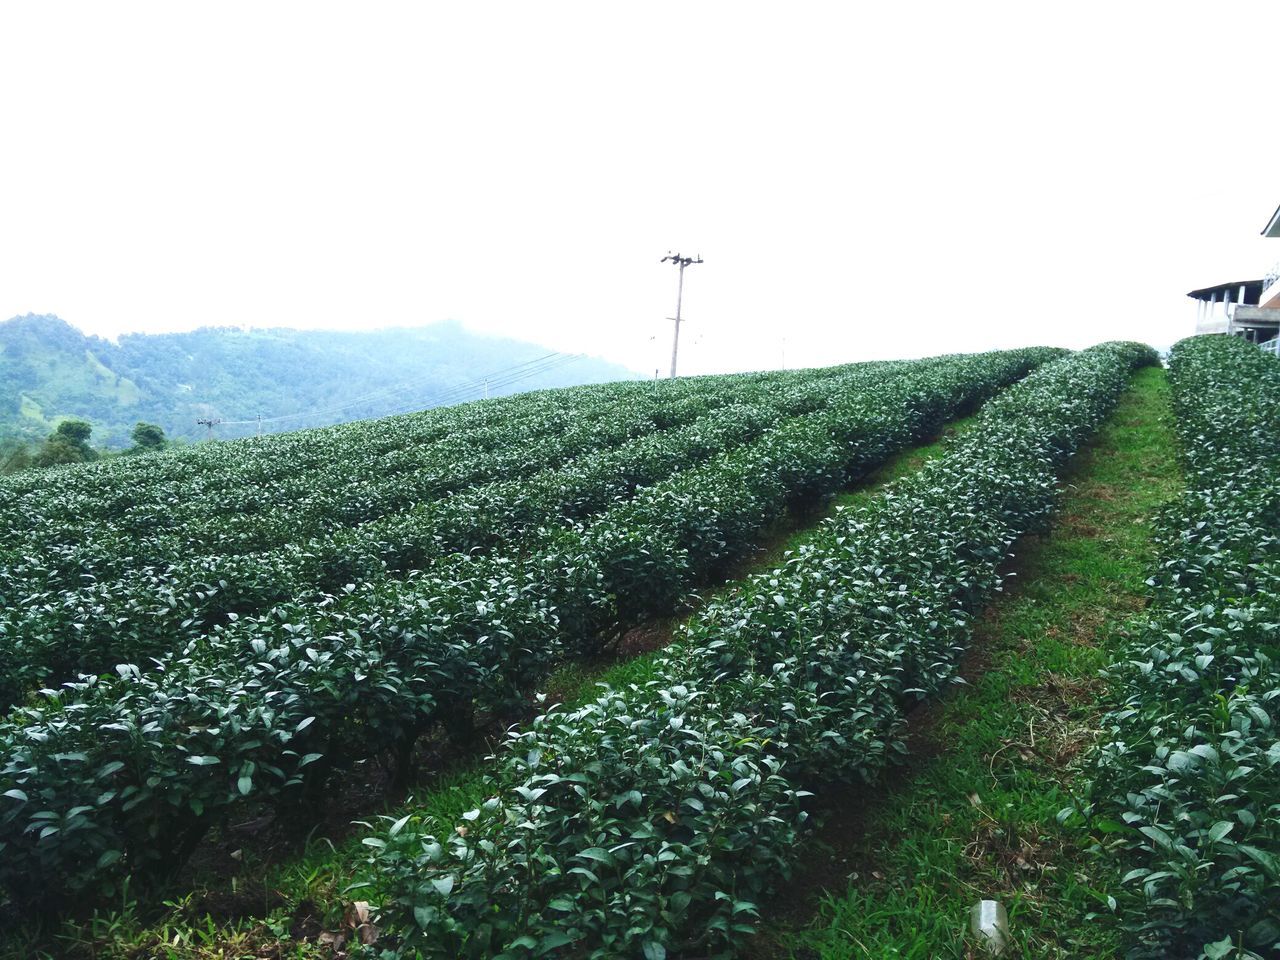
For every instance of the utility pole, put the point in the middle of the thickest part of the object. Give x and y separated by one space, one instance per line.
680 262
209 422
259 424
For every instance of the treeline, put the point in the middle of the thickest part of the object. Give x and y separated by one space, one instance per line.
69 443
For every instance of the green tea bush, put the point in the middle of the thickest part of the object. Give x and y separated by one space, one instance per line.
151 610
657 817
1186 785
122 774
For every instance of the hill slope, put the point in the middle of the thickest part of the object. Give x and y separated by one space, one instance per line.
49 370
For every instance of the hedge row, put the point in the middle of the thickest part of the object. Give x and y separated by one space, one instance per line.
257 473
122 775
105 526
151 611
655 818
1186 785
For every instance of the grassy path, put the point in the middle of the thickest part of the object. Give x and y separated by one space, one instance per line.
271 907
972 815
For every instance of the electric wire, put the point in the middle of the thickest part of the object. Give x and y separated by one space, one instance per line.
476 391
372 395
458 393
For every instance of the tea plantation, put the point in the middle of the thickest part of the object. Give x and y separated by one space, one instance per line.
1186 784
252 632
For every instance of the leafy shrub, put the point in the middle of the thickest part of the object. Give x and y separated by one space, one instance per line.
121 775
1186 785
655 818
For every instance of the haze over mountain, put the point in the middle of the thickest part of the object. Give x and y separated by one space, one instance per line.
50 370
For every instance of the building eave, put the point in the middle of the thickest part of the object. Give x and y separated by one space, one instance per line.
1254 287
1272 229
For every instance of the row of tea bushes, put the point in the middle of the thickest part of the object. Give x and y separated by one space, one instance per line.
101 497
156 519
257 473
122 775
655 818
1186 786
151 611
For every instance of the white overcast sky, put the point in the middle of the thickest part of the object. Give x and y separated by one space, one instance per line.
864 180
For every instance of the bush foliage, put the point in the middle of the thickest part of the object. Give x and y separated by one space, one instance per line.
1186 785
654 819
463 555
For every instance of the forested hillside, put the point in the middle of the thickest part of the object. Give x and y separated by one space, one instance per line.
50 370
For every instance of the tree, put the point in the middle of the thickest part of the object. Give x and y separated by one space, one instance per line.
58 450
147 437
14 456
69 443
74 431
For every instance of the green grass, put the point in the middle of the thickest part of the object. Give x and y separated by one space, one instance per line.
181 929
975 816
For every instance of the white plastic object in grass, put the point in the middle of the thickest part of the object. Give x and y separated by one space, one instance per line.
989 922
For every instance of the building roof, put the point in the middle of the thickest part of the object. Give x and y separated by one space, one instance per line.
1272 229
1252 292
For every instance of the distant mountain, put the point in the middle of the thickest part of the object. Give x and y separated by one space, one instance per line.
50 370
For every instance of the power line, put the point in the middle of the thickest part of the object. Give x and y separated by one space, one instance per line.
373 395
464 393
469 390
474 391
496 376
210 422
520 371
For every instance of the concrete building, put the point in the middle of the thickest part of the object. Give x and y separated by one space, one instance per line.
1246 308
1270 297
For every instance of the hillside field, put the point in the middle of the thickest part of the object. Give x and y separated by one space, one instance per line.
787 664
50 371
